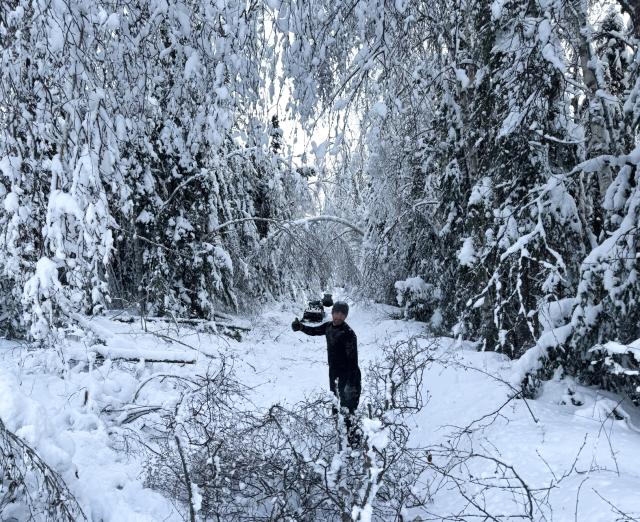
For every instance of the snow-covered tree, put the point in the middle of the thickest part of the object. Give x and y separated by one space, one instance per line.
605 319
132 135
54 151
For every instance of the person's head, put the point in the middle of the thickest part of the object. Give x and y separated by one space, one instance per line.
339 312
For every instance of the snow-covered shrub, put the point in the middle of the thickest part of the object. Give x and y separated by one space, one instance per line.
395 382
419 299
223 461
42 297
30 491
616 367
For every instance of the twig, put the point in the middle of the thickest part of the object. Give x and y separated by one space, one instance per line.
187 480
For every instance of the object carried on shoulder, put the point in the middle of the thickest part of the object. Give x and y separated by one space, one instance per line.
314 313
327 300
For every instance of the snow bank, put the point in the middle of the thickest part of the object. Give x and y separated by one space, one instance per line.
72 413
29 420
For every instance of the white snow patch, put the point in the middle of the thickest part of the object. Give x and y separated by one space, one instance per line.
55 36
481 192
461 76
401 5
192 65
467 253
549 54
544 31
510 123
414 286
145 217
222 93
11 203
319 150
196 498
10 166
497 6
61 203
436 321
45 280
379 108
375 433
223 259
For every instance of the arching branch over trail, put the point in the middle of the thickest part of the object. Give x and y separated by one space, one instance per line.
297 222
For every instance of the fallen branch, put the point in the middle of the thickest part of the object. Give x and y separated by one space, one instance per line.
130 414
187 481
625 516
26 479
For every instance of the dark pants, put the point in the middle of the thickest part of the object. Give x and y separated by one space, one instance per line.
348 394
348 391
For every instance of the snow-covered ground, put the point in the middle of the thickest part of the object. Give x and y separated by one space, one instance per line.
564 445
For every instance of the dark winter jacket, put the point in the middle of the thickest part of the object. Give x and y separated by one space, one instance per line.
342 354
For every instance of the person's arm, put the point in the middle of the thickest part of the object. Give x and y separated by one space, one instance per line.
351 356
315 330
351 350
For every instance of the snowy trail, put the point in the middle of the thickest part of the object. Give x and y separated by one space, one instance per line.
288 364
69 414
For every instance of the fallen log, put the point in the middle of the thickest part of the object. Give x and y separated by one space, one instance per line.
136 355
226 322
99 359
152 360
126 351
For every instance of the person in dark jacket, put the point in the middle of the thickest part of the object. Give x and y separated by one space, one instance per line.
342 355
